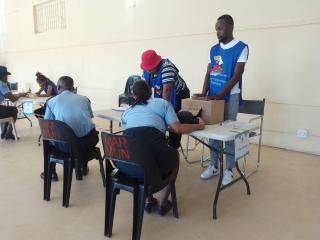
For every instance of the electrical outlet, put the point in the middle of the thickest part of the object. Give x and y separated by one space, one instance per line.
302 133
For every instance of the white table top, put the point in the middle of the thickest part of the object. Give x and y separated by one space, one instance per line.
34 100
225 132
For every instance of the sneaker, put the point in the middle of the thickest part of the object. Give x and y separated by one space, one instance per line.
210 172
227 177
10 136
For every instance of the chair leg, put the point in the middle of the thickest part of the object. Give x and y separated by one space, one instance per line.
67 180
49 179
45 179
14 131
111 195
138 211
77 167
103 175
174 200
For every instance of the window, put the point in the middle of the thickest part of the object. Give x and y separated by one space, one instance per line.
49 15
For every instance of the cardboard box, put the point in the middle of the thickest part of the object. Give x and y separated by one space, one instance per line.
211 111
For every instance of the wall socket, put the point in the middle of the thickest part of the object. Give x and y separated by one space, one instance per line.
302 133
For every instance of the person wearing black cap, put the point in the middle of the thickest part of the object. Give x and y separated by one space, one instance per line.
7 111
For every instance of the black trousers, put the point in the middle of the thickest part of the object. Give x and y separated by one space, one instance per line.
5 112
8 111
87 143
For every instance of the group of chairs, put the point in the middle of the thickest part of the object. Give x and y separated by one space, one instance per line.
117 148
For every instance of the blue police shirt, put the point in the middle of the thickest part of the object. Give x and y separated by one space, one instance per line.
75 110
158 113
4 89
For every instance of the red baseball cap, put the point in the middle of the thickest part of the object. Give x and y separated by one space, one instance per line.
149 60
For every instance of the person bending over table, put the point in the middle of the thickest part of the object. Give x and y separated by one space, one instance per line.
163 76
74 110
7 111
48 87
223 80
149 119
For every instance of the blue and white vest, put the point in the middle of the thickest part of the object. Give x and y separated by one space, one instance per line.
155 82
222 64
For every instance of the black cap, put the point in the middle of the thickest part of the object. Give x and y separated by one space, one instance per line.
4 71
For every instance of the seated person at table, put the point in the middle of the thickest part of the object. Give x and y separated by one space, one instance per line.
7 111
48 87
149 118
75 110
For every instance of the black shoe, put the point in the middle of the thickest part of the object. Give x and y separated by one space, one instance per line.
3 135
54 176
150 205
85 170
10 136
162 210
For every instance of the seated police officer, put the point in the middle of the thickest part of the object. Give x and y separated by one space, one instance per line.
75 110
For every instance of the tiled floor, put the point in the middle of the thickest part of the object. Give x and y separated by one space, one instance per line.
285 200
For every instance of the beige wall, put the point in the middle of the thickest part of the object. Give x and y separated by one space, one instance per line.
103 41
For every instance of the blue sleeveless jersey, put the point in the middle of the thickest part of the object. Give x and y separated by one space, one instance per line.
222 63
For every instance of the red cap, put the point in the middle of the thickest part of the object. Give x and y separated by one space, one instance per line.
149 60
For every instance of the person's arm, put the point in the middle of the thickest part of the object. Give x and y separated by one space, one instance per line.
173 123
205 87
49 114
39 91
48 94
184 128
167 90
237 74
14 97
90 109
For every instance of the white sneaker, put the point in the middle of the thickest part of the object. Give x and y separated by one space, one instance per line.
209 172
227 177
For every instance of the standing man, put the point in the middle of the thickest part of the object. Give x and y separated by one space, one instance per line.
223 80
163 76
75 110
7 111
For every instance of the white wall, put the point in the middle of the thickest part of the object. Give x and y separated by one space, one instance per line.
103 41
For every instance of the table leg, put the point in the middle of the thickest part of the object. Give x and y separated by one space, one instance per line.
243 178
220 158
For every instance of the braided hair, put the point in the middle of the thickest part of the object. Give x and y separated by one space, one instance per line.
142 93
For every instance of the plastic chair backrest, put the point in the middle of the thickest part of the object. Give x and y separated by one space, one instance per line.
132 151
255 107
130 81
58 131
